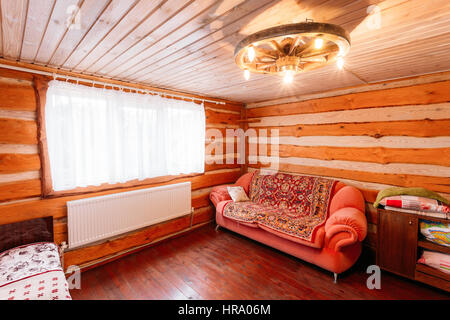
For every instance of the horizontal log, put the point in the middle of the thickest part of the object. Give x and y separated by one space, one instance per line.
435 156
19 190
413 95
25 77
412 128
221 126
203 215
217 166
396 83
365 141
227 106
438 184
221 148
18 131
20 211
382 114
229 157
17 97
398 168
201 200
11 163
209 180
221 117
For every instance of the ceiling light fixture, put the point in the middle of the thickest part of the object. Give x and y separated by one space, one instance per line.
251 53
290 49
318 43
340 63
246 74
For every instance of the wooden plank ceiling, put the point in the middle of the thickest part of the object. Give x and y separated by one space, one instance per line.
188 45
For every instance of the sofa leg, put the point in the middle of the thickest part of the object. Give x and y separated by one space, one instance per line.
217 228
335 277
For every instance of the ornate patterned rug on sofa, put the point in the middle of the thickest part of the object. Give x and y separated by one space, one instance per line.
293 205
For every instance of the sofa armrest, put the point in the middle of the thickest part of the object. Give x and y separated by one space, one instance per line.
345 227
220 193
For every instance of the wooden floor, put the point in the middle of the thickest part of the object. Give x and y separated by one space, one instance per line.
206 264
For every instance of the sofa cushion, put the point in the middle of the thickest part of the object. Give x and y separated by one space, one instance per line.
317 241
244 181
219 194
238 194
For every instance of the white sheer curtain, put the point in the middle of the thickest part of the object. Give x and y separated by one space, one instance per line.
97 136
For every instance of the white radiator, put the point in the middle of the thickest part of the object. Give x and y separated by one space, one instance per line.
98 218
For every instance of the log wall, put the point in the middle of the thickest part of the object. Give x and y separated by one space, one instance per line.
21 192
391 134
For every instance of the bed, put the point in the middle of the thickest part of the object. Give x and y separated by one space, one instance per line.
30 263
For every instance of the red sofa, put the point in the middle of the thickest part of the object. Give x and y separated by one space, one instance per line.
333 244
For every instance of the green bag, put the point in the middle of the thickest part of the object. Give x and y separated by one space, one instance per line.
418 192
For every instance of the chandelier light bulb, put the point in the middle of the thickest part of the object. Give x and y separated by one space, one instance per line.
340 63
246 74
251 53
288 76
318 43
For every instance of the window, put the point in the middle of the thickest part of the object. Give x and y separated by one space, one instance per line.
97 136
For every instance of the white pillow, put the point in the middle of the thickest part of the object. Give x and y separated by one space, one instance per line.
237 194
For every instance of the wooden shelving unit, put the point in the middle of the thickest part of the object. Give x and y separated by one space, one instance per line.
425 244
400 245
432 277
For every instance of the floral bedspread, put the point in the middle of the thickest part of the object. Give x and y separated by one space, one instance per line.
32 272
293 205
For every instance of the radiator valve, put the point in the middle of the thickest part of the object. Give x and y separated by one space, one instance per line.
63 246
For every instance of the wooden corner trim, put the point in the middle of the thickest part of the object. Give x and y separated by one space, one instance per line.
40 84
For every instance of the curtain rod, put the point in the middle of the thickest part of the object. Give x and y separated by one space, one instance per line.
55 75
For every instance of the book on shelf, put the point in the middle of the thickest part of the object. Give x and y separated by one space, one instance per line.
441 215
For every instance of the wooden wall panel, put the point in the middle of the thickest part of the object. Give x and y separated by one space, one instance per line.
21 193
19 190
16 97
11 163
371 139
13 131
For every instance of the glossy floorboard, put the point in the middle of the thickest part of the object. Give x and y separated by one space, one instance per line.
206 264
